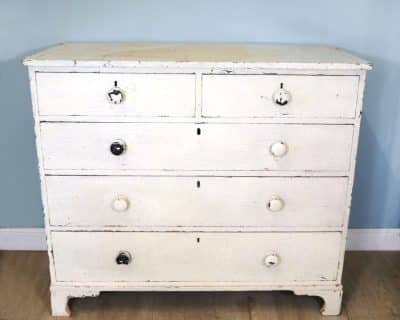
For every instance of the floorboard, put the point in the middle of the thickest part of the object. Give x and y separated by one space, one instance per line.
371 292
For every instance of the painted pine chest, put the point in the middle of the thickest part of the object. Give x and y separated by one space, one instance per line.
196 167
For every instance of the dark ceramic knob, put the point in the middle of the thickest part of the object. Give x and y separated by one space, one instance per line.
118 147
123 258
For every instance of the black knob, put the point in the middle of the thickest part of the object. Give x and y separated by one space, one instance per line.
123 258
117 148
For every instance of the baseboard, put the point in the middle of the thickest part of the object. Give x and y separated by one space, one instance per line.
358 239
32 239
373 239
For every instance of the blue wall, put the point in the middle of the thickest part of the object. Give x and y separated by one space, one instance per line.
369 28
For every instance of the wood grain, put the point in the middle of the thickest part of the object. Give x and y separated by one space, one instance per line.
371 282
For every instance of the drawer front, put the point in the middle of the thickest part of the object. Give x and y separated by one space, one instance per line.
144 95
256 95
206 257
195 201
203 147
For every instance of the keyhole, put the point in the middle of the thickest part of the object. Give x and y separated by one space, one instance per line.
198 184
281 85
198 131
198 240
115 84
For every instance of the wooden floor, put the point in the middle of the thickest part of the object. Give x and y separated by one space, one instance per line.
371 284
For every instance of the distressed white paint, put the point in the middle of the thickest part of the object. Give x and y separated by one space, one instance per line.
197 119
220 202
35 106
187 173
163 55
332 299
321 143
61 293
181 147
34 239
146 95
235 96
202 257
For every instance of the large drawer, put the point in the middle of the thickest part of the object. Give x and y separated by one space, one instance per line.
144 95
170 146
255 96
206 257
196 201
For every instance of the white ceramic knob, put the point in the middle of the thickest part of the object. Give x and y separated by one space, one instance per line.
120 204
116 95
278 149
275 204
272 260
281 97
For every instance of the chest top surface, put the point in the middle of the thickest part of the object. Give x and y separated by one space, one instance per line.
148 54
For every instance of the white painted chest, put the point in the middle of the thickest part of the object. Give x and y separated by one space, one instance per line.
196 167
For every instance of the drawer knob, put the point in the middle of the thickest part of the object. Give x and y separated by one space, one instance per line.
272 260
120 204
118 147
275 204
278 149
281 96
116 95
123 258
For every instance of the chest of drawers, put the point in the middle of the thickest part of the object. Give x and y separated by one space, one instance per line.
168 167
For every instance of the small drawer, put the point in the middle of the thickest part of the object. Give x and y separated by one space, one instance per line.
99 201
279 96
204 257
116 94
171 146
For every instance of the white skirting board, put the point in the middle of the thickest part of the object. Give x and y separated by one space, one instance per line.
34 239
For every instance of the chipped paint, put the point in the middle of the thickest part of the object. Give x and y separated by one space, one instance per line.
202 61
